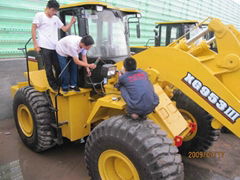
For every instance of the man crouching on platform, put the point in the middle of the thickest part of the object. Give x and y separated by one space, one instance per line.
136 90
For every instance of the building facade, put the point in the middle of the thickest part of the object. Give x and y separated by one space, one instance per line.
16 17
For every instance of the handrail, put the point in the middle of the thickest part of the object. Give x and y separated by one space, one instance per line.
27 60
26 56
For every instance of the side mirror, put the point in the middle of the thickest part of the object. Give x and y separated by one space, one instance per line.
138 30
135 20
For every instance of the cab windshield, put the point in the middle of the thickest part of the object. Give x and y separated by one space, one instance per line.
108 32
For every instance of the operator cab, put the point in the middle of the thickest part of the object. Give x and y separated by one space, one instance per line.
109 27
167 32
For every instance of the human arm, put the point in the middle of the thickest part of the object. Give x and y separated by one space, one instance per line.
84 58
120 82
68 26
34 37
82 63
35 24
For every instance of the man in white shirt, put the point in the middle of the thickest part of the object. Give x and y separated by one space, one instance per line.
72 46
46 24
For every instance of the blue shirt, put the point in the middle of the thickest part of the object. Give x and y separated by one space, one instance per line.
138 92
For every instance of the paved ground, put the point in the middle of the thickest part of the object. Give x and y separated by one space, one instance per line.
66 161
11 72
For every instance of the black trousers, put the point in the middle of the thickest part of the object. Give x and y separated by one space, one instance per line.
51 65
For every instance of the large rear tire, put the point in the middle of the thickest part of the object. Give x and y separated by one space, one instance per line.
33 119
205 135
122 148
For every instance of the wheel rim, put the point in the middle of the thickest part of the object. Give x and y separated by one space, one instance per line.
114 165
190 118
25 120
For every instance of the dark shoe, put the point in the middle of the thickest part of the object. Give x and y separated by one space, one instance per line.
64 90
76 88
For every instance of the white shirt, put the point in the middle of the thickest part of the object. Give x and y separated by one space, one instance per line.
47 29
69 46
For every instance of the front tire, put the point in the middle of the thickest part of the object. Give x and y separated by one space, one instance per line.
33 119
122 148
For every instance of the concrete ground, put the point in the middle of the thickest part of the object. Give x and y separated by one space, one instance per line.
11 72
67 161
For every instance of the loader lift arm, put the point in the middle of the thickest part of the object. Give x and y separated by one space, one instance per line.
208 78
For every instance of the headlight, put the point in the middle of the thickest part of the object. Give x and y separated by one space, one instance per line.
99 8
108 70
111 72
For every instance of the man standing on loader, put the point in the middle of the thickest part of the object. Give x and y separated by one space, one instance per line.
136 90
47 24
71 46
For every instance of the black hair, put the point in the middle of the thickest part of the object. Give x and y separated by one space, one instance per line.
87 40
130 64
53 4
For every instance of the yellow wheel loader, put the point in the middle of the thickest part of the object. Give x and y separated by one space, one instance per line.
118 147
167 32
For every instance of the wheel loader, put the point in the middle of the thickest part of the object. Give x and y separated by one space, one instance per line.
167 32
196 87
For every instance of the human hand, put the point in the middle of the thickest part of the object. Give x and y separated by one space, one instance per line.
73 20
88 71
37 48
123 70
92 66
119 73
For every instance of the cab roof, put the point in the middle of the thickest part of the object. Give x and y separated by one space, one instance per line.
179 22
79 4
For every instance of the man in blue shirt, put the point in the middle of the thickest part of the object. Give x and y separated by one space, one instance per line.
136 90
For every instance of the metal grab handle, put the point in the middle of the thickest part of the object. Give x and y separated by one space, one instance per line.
27 44
27 60
24 50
